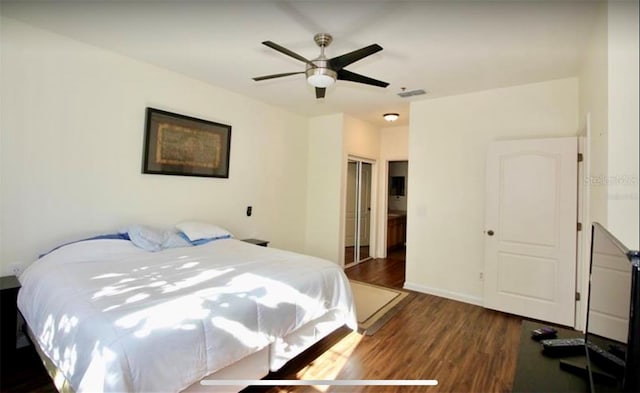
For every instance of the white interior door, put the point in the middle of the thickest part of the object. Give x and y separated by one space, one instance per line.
531 208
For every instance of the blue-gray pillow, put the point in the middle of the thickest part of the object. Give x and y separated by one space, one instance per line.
146 238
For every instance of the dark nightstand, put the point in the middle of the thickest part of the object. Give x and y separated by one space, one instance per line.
257 242
9 286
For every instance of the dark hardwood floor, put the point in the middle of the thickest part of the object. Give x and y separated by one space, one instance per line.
388 272
466 348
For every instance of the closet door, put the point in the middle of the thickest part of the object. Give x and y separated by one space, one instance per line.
364 232
358 211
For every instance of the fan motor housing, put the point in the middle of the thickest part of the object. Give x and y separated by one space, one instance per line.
321 68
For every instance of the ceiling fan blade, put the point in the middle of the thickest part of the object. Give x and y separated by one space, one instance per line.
353 77
342 61
261 78
287 52
320 92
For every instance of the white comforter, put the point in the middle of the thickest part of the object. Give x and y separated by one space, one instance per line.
113 317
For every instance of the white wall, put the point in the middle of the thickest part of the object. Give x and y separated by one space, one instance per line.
325 177
361 139
394 143
623 143
447 146
72 138
593 104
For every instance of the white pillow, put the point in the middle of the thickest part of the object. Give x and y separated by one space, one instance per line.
195 230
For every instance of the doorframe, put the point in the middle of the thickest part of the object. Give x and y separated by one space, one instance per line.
384 216
583 252
373 218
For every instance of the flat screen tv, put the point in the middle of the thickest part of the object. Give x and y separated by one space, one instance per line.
612 334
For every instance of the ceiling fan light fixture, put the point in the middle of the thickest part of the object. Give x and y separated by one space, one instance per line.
321 77
323 72
390 117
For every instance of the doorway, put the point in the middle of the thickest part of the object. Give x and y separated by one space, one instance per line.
358 211
398 172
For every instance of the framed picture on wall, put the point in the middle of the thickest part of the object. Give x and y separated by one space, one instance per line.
176 144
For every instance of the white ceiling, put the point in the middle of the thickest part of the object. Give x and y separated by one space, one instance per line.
445 48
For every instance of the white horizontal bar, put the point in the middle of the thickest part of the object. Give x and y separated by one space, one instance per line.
310 382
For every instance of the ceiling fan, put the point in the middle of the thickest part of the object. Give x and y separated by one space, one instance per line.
322 72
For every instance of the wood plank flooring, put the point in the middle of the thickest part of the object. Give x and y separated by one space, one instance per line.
465 347
388 272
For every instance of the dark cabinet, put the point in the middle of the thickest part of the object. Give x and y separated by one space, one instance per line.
9 287
396 231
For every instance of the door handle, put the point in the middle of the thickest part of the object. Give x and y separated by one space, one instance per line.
490 232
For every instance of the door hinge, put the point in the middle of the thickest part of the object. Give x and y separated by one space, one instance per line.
580 157
577 296
579 226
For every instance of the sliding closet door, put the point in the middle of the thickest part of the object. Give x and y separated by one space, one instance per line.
358 211
351 213
364 211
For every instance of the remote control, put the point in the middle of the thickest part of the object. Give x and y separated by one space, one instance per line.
543 333
563 347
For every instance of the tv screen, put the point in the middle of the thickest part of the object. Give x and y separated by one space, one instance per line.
612 331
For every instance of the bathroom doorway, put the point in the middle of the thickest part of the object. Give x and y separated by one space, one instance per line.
397 181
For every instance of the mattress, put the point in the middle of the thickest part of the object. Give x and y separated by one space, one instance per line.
113 317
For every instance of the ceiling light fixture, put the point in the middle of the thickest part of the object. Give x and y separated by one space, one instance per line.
391 116
321 77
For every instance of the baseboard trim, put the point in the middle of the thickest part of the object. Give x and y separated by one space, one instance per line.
461 297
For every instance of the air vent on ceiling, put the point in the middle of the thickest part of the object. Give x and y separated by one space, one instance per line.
410 93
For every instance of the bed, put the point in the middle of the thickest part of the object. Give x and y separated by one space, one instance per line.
110 316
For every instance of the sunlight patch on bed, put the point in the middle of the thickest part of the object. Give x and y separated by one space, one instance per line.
48 331
137 298
188 265
108 275
67 323
197 279
248 338
97 376
171 314
270 293
114 290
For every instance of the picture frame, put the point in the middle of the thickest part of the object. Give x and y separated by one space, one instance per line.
176 144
